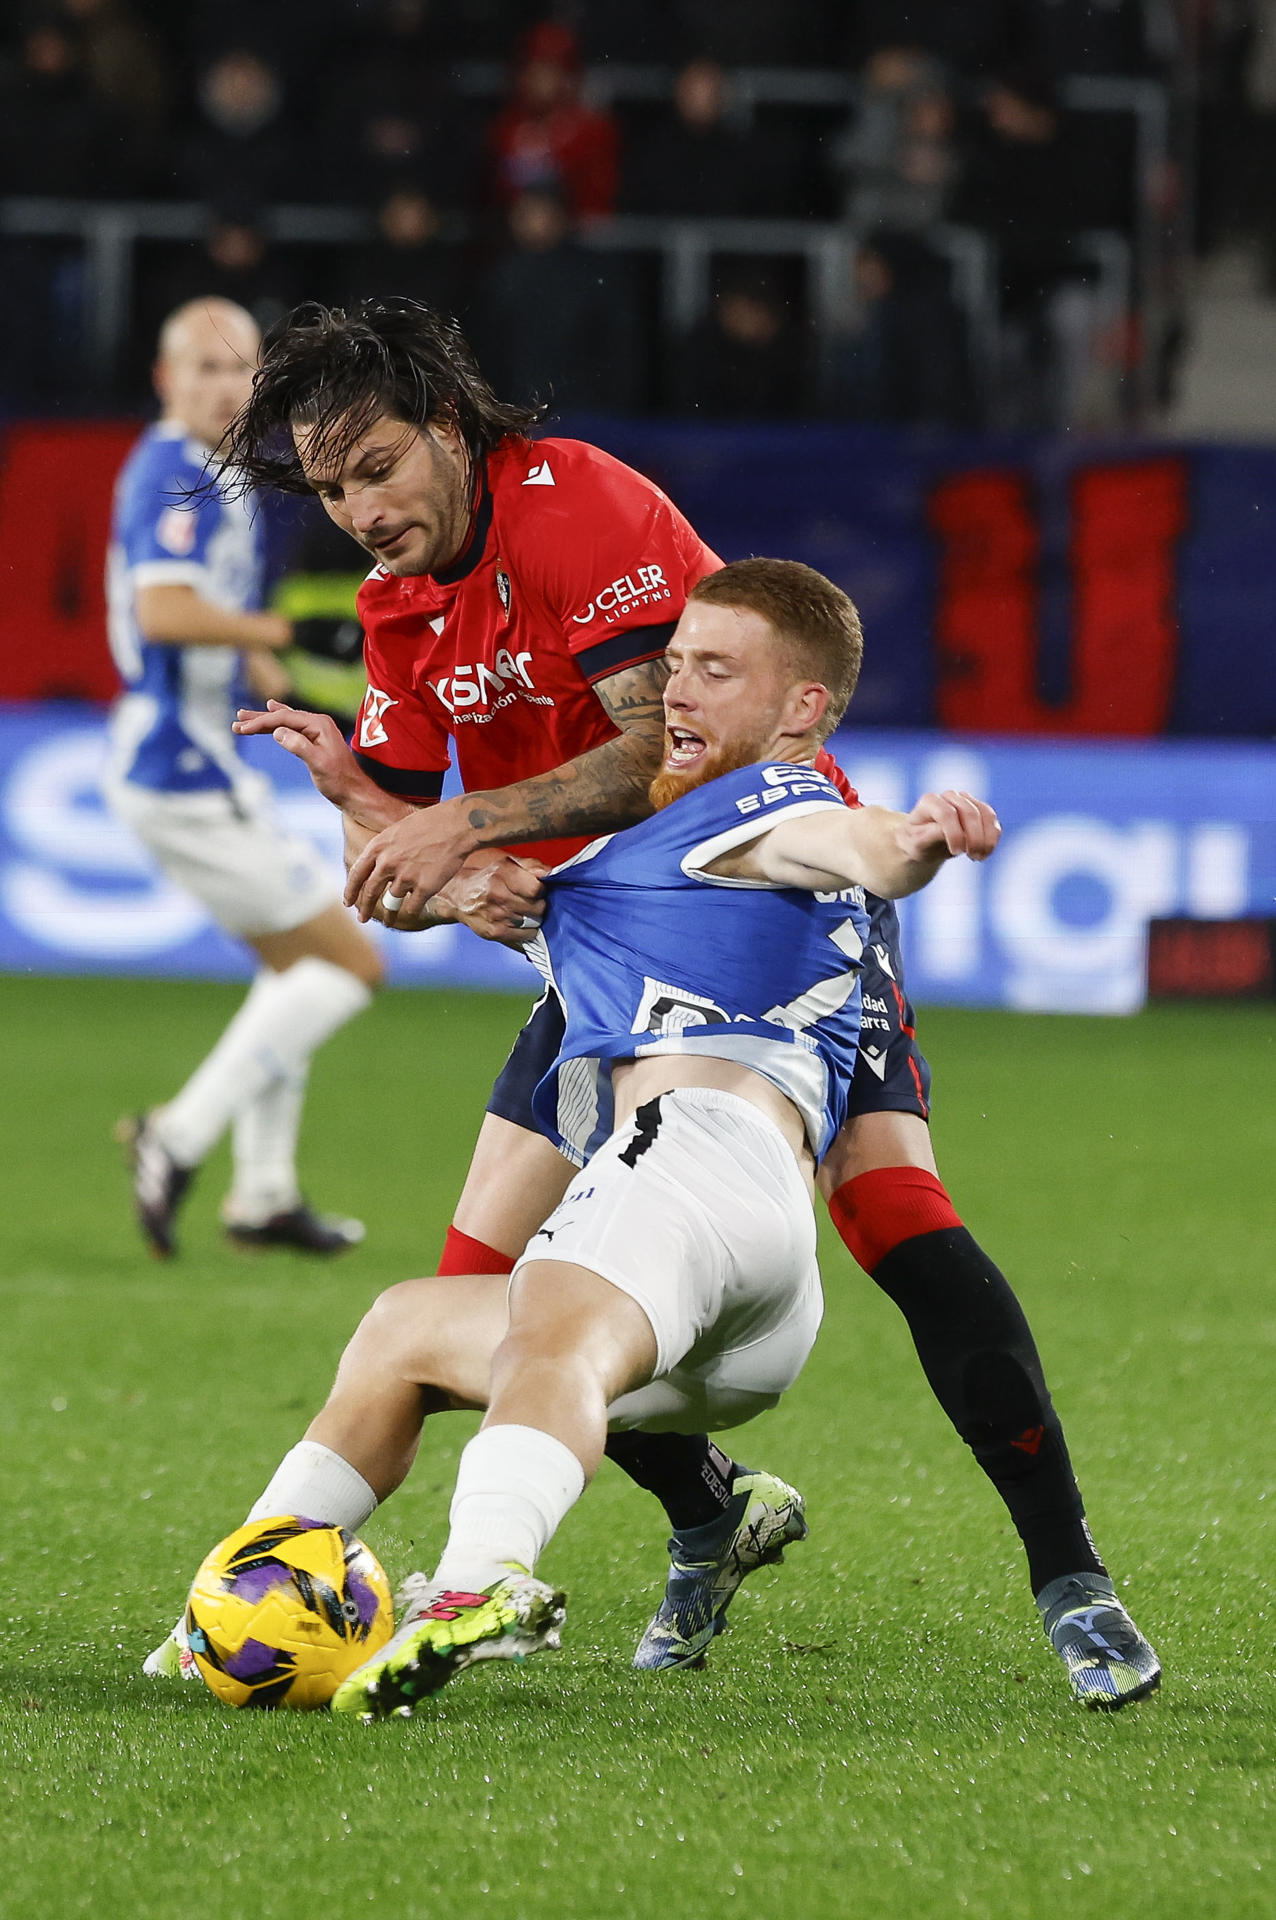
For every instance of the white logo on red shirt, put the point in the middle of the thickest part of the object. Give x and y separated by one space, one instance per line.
619 597
477 692
539 476
375 705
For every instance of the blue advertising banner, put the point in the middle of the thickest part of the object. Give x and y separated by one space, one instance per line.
1100 837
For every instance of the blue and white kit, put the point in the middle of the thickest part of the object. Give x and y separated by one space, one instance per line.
174 773
650 954
696 1207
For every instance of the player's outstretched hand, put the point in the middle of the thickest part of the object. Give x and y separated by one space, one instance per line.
315 739
498 896
950 823
403 867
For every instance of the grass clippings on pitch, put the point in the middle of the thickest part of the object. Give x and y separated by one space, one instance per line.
885 1732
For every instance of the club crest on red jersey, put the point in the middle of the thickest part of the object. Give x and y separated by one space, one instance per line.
503 587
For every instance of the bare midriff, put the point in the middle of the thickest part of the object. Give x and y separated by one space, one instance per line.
634 1082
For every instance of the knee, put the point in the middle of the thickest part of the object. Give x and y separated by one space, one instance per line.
383 1334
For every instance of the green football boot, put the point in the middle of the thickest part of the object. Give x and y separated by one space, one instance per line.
445 1632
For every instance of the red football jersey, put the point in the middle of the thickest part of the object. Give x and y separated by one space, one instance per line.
577 567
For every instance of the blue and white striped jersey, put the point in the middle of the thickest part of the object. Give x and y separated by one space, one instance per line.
650 954
171 728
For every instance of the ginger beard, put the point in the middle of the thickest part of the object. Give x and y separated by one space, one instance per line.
670 785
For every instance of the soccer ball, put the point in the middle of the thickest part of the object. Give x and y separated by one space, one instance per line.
281 1612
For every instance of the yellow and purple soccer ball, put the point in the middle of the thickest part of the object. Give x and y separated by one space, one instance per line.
284 1610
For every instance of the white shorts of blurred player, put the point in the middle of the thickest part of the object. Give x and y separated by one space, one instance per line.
708 1225
230 851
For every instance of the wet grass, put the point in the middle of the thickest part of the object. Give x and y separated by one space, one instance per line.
884 1733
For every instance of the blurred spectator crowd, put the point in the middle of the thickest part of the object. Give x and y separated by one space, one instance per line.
487 148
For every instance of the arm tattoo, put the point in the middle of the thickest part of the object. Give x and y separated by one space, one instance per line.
598 792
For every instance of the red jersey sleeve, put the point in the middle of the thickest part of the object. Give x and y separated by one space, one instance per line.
827 765
400 740
614 560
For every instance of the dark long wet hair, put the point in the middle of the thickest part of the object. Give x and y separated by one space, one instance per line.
338 370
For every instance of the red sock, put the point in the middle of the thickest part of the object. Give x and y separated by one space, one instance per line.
461 1254
877 1210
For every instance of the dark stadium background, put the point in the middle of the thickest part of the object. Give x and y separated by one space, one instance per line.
905 291
970 304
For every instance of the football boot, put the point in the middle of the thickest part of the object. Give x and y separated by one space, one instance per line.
172 1659
707 1564
1108 1660
159 1183
444 1632
301 1229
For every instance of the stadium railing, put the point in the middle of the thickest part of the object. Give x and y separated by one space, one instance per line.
1152 252
109 232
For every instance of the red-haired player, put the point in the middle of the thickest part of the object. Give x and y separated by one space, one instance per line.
519 610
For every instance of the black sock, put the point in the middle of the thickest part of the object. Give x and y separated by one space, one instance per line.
979 1355
689 1476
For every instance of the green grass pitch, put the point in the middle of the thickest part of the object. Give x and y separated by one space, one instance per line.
884 1733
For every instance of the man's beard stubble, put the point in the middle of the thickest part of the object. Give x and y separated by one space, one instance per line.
668 787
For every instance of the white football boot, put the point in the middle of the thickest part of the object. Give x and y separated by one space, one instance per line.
172 1659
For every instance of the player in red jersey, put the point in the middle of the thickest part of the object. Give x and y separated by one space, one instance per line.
520 608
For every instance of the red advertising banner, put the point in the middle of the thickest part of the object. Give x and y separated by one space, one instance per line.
55 516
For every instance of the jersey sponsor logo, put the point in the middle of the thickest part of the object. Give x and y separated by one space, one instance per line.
668 1010
375 706
475 692
638 589
786 783
539 475
176 529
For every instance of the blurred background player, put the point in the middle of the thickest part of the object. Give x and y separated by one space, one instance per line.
185 588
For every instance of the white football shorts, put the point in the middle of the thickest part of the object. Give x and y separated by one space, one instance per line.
231 853
699 1213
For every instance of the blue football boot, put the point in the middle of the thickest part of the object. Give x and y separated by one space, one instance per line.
707 1564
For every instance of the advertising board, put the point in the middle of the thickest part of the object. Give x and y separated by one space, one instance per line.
1100 838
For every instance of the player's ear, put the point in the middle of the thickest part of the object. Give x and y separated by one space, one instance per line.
807 705
446 434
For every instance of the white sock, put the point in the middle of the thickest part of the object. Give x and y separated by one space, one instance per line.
317 1484
264 1152
285 1017
513 1487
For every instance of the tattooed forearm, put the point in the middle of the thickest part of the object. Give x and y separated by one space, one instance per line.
598 792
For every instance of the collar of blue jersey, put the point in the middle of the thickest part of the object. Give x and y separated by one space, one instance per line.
472 552
176 430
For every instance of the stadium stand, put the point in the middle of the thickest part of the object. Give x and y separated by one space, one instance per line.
753 185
